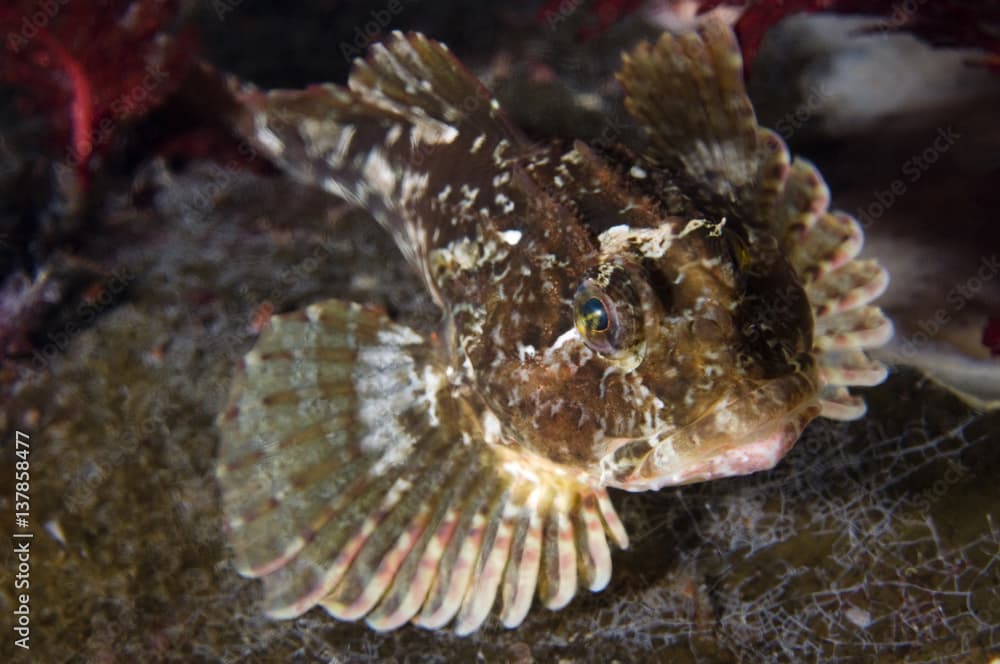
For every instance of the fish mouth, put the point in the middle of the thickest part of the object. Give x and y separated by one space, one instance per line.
740 434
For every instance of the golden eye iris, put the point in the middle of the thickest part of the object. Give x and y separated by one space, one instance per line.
596 318
609 312
593 316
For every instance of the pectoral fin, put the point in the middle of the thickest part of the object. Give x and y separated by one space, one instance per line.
355 476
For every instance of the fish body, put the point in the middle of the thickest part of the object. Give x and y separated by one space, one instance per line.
634 317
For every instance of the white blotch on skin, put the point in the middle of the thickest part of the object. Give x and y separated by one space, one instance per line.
443 194
413 187
393 134
499 150
566 336
651 242
268 138
470 193
505 203
714 229
431 132
379 173
433 382
511 237
491 427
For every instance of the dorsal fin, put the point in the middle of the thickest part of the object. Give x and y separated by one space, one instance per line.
412 74
414 139
687 90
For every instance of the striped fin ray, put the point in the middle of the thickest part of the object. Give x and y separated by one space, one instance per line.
354 478
414 139
368 155
409 73
823 246
687 90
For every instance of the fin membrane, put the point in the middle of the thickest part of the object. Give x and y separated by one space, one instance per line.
411 74
414 139
353 478
822 246
687 90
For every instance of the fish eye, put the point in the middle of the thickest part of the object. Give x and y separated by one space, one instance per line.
596 318
593 317
609 313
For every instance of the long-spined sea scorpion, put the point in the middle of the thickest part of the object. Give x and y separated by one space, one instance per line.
634 317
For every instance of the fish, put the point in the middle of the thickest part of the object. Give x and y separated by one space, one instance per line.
611 317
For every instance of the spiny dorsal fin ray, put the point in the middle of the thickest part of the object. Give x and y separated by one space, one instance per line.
687 90
410 73
415 140
353 478
773 163
329 137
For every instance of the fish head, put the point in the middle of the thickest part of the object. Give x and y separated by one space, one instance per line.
679 352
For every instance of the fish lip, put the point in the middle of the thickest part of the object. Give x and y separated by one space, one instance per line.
760 448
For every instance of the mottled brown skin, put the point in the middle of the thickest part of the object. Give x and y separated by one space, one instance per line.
575 406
